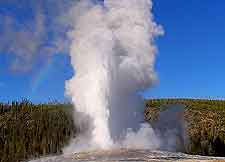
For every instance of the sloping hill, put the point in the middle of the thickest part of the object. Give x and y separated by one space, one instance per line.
28 130
202 122
190 126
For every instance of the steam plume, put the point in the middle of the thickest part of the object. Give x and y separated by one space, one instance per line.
112 53
27 38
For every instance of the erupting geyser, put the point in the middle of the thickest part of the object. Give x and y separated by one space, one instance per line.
112 53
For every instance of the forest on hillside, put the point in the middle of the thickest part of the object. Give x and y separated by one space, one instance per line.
29 131
32 130
204 123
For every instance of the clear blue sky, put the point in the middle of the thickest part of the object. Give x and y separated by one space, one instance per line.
190 62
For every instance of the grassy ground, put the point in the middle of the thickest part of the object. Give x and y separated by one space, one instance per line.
205 123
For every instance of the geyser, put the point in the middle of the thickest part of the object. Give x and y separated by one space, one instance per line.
112 53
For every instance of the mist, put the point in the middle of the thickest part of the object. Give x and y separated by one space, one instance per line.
32 32
112 53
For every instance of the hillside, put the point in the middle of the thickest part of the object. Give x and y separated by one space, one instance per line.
193 126
28 130
203 123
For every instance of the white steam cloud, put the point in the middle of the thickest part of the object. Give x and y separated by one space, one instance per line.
112 53
32 31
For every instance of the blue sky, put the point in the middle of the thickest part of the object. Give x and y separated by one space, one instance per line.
190 61
191 58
